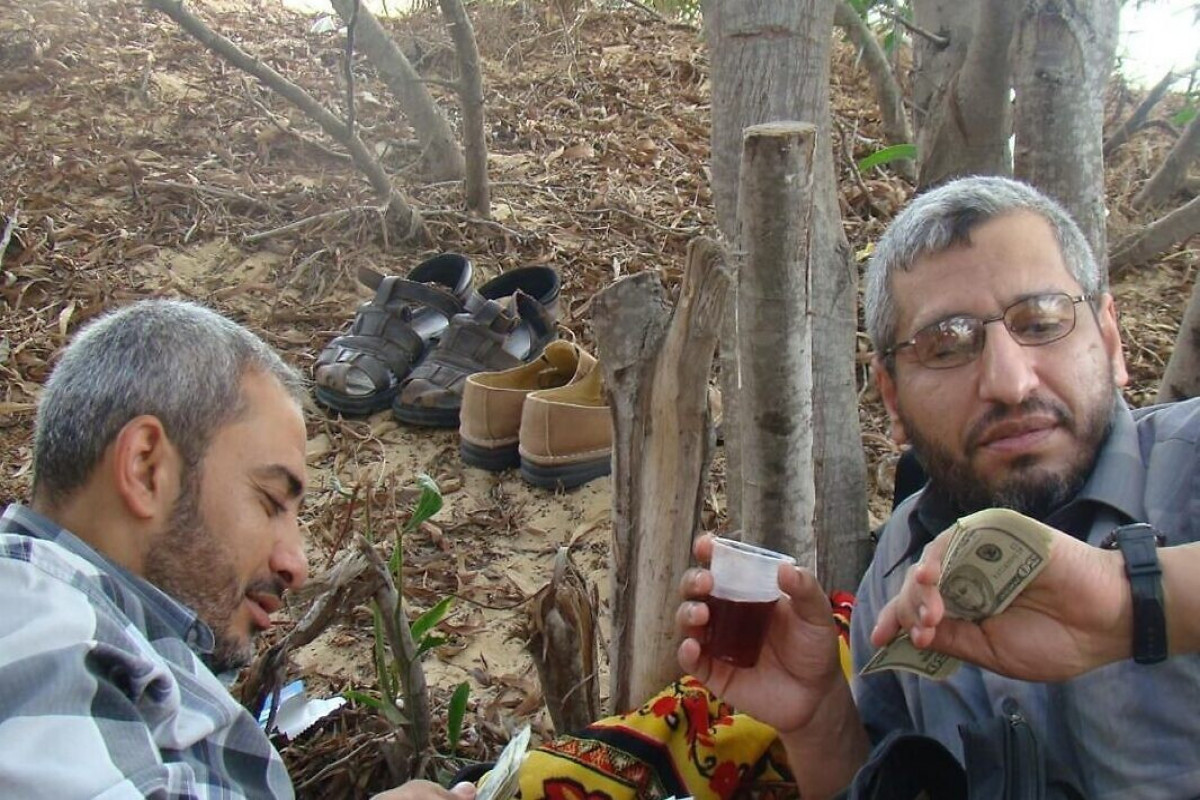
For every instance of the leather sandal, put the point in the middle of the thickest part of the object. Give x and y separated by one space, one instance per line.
360 371
490 421
508 323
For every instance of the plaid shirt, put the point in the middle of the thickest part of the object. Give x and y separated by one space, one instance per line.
1124 730
103 692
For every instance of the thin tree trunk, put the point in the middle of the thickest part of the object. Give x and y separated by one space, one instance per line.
442 158
771 61
1137 119
1181 379
1062 59
1172 175
961 91
402 217
775 338
470 93
888 95
656 374
1155 239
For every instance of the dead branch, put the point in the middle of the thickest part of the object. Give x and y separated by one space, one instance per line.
1155 239
1172 174
470 96
406 221
292 227
939 41
212 191
1137 119
442 158
888 95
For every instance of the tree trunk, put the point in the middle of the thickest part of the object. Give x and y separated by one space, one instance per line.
1178 226
888 95
470 93
775 338
961 91
771 61
1137 119
1062 59
1172 175
1181 379
401 217
656 374
442 159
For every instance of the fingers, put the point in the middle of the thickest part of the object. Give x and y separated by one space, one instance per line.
463 791
918 608
702 548
807 598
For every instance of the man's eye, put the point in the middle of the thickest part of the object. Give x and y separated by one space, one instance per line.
274 507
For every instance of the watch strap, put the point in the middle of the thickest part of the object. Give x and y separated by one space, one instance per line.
1139 547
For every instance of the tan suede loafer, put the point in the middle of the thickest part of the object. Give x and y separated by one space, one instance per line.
492 402
566 434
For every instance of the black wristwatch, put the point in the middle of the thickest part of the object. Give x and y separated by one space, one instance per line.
1139 546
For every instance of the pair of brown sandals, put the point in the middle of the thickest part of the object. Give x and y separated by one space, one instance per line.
412 346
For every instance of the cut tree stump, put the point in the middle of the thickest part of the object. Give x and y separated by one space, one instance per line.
656 365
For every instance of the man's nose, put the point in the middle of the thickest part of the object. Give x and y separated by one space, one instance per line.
288 561
1007 374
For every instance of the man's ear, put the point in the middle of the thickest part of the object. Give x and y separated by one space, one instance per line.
146 468
887 391
1110 334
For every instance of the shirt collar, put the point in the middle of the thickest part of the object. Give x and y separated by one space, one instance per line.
1112 482
177 617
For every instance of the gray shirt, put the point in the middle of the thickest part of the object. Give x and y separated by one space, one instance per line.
1125 730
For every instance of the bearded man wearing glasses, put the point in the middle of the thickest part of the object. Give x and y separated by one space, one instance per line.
999 361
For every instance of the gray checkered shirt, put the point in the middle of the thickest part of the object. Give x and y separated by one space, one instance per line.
1122 731
103 692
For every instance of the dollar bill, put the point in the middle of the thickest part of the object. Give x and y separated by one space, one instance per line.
993 555
503 781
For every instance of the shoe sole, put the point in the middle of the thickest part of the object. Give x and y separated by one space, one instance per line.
426 417
493 459
355 406
565 476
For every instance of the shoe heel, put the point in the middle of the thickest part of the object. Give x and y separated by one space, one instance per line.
565 476
492 459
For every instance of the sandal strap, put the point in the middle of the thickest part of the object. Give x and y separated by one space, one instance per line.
397 291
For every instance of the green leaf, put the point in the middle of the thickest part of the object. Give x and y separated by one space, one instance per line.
455 714
364 699
432 617
896 152
428 504
430 642
1183 116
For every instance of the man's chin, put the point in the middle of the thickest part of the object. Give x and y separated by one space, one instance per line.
231 655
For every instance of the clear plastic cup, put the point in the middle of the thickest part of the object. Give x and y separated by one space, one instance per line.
745 588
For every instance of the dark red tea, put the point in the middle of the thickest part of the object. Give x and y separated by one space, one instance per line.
736 630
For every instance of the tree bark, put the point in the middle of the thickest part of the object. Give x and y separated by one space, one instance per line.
1155 239
470 94
442 159
1063 56
402 218
888 94
562 641
775 338
656 377
1172 175
961 91
771 61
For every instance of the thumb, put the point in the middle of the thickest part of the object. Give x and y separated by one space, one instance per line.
463 791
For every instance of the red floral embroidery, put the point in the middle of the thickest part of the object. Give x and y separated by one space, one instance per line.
665 706
696 708
564 789
725 779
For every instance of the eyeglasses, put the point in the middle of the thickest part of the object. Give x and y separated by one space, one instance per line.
955 341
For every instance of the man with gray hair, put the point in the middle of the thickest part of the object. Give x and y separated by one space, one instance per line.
998 359
163 531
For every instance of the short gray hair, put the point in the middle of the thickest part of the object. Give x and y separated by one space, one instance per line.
174 360
944 217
